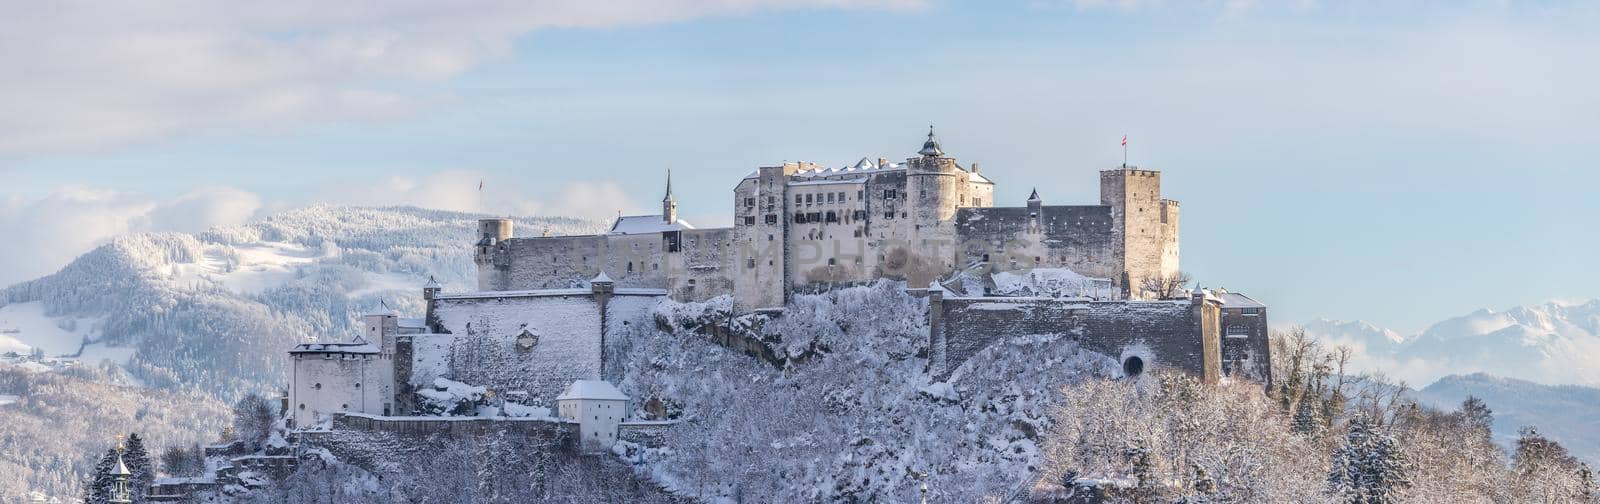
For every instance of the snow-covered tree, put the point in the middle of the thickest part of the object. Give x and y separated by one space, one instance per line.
1370 467
142 472
253 416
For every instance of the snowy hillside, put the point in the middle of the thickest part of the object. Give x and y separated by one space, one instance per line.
1569 414
1552 343
219 308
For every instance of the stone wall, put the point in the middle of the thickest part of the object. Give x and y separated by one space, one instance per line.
1079 238
1176 334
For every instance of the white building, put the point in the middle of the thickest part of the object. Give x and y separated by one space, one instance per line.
339 378
599 409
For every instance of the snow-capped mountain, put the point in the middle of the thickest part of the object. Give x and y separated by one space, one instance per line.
1552 343
1566 413
217 309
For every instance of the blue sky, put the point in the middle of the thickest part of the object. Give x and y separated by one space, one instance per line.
1356 160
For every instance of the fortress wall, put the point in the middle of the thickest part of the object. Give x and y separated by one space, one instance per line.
1079 238
1163 334
486 353
706 258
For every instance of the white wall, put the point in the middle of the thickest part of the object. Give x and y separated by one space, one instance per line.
597 419
328 383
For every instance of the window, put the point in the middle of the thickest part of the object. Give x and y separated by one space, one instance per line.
630 266
888 215
977 201
841 196
861 194
832 261
749 202
691 283
750 263
358 385
830 197
751 220
799 218
317 387
888 194
771 218
797 199
808 199
831 217
302 406
1238 331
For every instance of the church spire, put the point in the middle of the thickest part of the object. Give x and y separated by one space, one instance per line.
669 204
931 148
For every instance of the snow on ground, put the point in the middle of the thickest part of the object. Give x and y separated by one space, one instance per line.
246 269
24 326
8 399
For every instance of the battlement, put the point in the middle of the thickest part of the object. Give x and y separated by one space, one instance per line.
1129 170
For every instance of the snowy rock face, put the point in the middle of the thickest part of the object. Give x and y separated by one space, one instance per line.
858 420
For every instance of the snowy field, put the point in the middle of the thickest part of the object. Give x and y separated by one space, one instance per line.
25 326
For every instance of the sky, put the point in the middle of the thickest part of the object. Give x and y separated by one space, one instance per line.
1395 162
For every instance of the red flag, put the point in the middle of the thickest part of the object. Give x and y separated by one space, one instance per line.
1124 140
480 181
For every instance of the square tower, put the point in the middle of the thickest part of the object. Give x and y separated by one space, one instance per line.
1145 226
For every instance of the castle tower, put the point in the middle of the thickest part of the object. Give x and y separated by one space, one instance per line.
492 233
1145 225
669 204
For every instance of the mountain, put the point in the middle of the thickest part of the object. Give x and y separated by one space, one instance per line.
1551 343
183 323
1566 413
218 309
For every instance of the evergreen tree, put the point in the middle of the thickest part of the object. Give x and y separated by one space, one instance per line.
138 462
1305 413
97 487
1369 468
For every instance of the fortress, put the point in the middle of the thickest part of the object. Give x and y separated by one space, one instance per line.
552 311
799 227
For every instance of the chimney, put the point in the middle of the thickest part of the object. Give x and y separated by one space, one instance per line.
974 167
883 162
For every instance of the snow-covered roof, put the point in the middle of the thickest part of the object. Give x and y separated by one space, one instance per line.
432 284
602 278
121 469
411 323
1237 300
350 348
645 224
592 389
633 291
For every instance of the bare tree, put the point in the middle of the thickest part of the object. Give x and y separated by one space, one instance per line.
1166 286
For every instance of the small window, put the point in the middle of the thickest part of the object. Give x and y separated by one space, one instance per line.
751 220
771 218
749 263
302 406
888 194
830 197
317 386
797 199
888 215
749 202
358 385
808 199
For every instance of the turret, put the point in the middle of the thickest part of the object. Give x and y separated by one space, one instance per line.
119 481
669 204
930 148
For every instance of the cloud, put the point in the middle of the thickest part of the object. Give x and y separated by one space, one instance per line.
457 190
93 74
44 234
